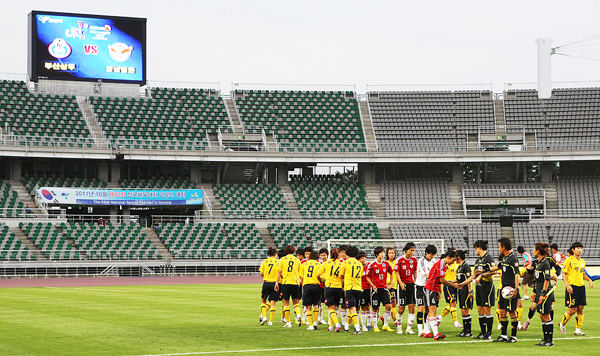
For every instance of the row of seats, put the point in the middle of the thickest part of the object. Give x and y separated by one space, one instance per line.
31 182
254 200
303 235
414 198
331 199
561 233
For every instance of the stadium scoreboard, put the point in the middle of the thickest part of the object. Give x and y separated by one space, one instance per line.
64 46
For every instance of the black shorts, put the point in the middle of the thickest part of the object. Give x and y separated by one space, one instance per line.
393 293
431 298
508 304
381 297
334 296
352 298
268 291
406 297
576 298
365 298
546 305
299 293
322 296
484 294
288 291
419 296
449 294
465 299
311 294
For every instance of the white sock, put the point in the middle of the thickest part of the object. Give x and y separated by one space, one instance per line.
411 320
320 311
363 318
433 324
303 312
343 315
427 327
399 319
386 317
420 329
369 313
374 318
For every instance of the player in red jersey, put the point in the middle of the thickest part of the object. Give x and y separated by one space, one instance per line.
432 290
378 272
365 296
406 269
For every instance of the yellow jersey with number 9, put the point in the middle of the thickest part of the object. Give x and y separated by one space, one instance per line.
352 270
309 272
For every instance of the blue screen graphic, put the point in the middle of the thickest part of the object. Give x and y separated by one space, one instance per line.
74 47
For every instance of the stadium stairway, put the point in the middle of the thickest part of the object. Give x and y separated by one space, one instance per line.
210 194
156 241
233 116
551 197
507 231
26 242
499 116
376 204
90 120
385 234
456 200
367 126
290 201
267 237
23 193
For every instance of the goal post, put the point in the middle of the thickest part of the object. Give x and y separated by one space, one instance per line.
368 245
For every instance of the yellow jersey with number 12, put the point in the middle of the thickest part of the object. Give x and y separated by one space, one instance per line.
352 270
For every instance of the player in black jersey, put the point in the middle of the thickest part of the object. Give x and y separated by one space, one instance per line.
465 293
543 298
553 279
509 266
484 293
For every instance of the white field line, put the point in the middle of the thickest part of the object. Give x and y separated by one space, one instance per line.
94 289
349 346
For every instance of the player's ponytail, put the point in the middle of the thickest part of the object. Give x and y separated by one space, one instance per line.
271 252
334 254
482 244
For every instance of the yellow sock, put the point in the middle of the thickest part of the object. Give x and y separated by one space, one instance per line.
282 311
272 314
353 318
519 313
446 311
263 310
394 314
315 314
333 317
578 321
566 319
498 315
297 309
453 313
286 312
309 317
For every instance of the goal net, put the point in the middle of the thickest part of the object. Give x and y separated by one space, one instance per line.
369 245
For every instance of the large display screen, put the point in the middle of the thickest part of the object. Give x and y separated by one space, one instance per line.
87 47
136 197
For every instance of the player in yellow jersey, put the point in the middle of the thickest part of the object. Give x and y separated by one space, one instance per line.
268 270
351 273
450 294
329 273
390 256
575 298
311 290
288 270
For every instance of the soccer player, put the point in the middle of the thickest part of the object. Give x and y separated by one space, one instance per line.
450 294
351 274
531 272
323 256
309 272
558 257
423 267
575 298
509 265
406 270
543 299
390 256
484 293
464 293
329 272
268 270
378 272
343 309
432 290
365 296
305 254
288 270
526 262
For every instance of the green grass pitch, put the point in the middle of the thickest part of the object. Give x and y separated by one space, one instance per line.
217 319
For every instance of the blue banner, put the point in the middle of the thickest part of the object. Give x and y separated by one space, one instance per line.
136 197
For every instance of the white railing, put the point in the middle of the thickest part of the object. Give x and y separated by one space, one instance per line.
555 85
181 85
502 193
429 87
295 87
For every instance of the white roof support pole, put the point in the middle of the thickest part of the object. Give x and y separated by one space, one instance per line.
544 51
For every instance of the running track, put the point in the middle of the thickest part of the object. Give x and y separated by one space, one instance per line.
125 281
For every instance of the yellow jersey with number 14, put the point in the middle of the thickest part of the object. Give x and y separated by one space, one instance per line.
352 270
330 271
